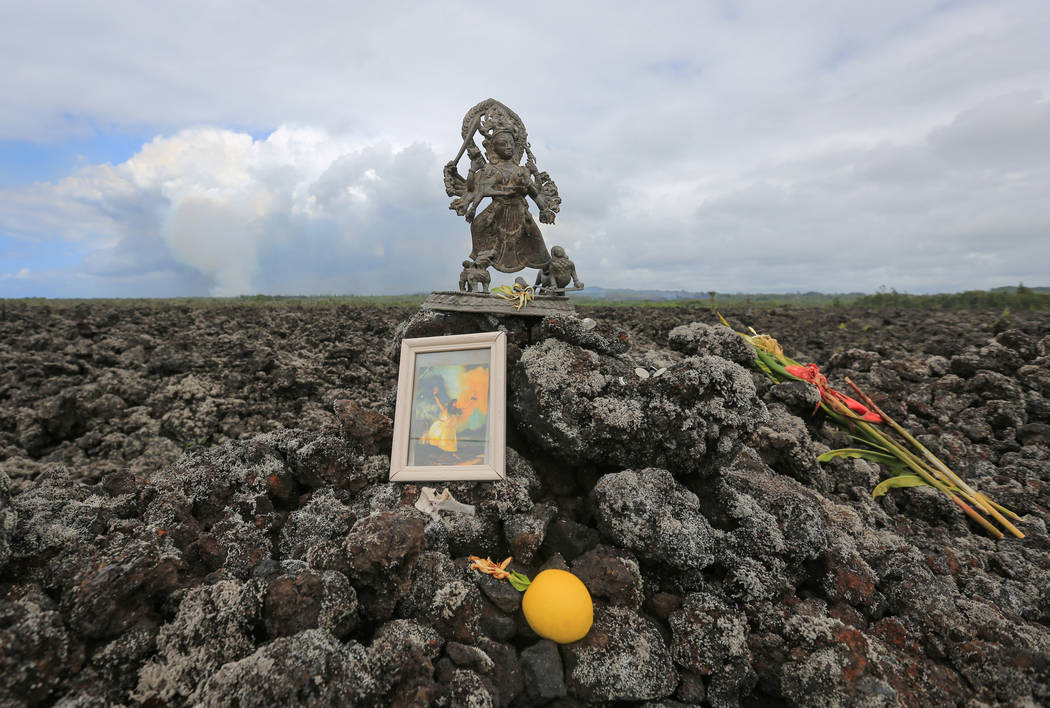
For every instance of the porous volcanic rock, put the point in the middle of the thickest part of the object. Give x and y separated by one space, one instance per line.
587 408
213 626
611 574
709 638
8 520
298 661
623 657
543 671
650 513
271 561
382 549
699 338
102 388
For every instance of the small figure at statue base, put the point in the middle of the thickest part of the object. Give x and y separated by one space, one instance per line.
553 278
475 275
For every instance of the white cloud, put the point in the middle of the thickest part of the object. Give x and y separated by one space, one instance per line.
22 274
290 213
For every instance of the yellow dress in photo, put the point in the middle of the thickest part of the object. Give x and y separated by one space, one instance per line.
442 432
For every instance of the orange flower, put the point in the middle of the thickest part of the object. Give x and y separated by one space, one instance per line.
486 565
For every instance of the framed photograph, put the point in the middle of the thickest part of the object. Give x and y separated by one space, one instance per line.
451 415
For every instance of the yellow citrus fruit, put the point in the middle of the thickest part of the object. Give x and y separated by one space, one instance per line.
558 607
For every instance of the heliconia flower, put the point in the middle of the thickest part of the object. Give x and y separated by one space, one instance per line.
811 373
767 344
890 444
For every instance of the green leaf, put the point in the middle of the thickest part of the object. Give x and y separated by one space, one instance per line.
875 444
765 369
768 359
903 480
774 370
873 455
519 581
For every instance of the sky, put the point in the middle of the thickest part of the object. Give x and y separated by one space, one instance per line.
205 148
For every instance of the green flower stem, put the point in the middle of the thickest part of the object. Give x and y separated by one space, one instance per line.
921 470
999 506
979 499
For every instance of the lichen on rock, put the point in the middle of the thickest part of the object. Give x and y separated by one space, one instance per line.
650 513
587 408
623 658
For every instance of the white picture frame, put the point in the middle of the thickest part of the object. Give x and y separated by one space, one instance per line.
448 424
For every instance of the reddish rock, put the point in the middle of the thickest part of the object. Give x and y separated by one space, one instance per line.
849 579
382 549
662 604
611 574
370 430
306 599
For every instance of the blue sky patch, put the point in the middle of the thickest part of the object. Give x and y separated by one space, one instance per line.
26 162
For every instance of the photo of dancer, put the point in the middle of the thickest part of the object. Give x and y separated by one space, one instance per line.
450 406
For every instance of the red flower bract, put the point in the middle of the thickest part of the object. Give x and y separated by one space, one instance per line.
811 373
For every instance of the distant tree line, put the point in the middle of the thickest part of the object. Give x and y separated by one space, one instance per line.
1016 298
1019 298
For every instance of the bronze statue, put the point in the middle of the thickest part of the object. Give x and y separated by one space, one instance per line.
505 226
554 277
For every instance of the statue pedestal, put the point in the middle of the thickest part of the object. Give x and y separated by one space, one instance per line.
457 301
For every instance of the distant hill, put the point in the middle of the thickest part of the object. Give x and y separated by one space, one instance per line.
627 294
1014 289
1009 296
671 296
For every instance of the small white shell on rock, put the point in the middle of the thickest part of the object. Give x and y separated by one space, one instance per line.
660 371
587 323
642 373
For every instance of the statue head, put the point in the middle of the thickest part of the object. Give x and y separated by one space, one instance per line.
557 252
467 264
501 143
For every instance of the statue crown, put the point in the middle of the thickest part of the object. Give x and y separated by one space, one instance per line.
497 121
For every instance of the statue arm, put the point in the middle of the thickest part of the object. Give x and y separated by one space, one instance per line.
458 186
455 185
476 193
545 193
536 195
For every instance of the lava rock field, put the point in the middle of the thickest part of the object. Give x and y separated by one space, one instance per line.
195 510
